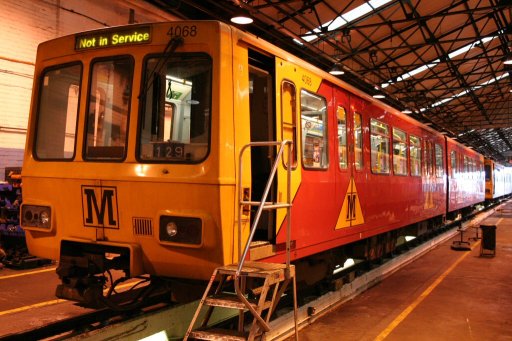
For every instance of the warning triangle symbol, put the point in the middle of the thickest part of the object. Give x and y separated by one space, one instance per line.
351 213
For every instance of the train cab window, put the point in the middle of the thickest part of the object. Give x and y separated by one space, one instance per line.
358 141
453 163
379 147
176 104
415 152
109 102
399 152
313 113
342 137
439 161
57 113
288 108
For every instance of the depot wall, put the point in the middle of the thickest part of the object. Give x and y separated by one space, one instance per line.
26 23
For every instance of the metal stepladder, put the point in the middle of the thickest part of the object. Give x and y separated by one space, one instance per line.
258 286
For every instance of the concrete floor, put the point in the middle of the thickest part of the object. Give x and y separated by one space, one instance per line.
444 295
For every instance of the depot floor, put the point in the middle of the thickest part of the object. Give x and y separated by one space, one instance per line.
444 295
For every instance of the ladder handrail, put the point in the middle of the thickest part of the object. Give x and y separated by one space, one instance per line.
261 205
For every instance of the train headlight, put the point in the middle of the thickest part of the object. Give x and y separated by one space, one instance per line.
172 229
181 230
36 216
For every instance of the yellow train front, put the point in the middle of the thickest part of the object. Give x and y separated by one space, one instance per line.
130 160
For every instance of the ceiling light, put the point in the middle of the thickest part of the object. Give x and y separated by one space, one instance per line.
241 17
336 70
407 111
379 96
508 61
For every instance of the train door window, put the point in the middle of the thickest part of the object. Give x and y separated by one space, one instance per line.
429 162
439 161
399 152
488 172
109 101
415 152
379 147
175 119
453 164
342 137
313 113
358 141
57 113
288 108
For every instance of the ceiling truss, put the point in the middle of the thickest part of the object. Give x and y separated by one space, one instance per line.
443 59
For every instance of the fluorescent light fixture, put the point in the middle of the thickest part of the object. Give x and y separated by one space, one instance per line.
345 18
379 96
451 55
508 61
465 92
409 238
406 111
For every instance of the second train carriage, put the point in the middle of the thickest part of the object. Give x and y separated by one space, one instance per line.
133 145
498 180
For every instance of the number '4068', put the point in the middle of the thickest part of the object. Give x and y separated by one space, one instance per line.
182 31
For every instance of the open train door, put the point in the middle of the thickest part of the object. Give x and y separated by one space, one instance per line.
263 123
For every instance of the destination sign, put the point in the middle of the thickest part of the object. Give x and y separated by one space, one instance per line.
112 38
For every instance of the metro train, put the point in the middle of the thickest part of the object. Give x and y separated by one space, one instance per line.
135 162
498 180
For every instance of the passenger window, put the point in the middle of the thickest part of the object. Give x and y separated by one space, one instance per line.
379 147
288 101
439 161
314 130
342 137
399 152
109 102
358 141
415 152
57 113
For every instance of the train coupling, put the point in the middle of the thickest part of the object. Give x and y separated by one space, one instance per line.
83 278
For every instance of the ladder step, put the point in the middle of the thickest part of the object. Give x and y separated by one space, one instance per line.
258 269
227 300
218 334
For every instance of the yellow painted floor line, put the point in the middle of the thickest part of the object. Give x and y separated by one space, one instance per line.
27 307
403 315
48 303
28 273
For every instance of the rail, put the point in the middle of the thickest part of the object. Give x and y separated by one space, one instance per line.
263 204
